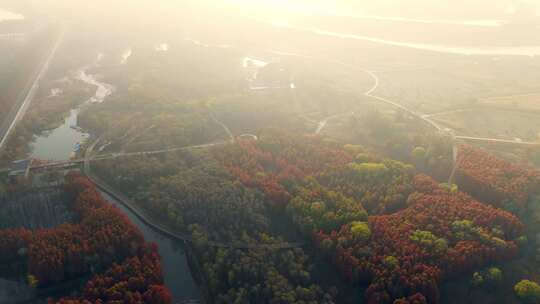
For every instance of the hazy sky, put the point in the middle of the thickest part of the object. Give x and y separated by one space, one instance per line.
466 8
162 11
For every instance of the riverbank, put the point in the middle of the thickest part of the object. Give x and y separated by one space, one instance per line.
56 136
171 249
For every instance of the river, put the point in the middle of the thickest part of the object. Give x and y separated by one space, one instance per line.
176 270
58 144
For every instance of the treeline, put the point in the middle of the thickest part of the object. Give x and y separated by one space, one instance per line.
398 137
104 244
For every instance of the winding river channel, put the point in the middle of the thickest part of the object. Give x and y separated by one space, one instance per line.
176 270
58 144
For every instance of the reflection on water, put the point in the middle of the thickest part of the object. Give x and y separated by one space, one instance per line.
59 143
62 142
103 90
176 270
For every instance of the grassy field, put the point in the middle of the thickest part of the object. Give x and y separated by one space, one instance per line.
518 102
493 123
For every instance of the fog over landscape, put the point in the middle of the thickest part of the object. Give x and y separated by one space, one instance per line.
285 151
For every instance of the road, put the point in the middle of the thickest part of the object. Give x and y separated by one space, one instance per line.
447 112
413 113
369 93
224 126
18 110
322 124
496 140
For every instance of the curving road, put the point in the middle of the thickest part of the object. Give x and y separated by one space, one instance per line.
413 113
224 126
322 124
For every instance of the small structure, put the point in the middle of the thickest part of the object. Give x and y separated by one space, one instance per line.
248 136
19 169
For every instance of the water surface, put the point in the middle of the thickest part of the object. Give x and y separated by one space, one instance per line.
61 143
176 270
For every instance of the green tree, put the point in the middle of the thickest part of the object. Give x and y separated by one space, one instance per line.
528 291
391 262
477 279
360 231
32 281
419 156
494 275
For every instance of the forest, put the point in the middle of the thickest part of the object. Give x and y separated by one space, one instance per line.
383 225
103 247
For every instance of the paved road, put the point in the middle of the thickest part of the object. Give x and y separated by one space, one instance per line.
90 149
447 112
420 116
423 117
369 93
496 140
224 126
18 111
322 124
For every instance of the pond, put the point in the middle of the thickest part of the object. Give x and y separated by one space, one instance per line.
61 143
